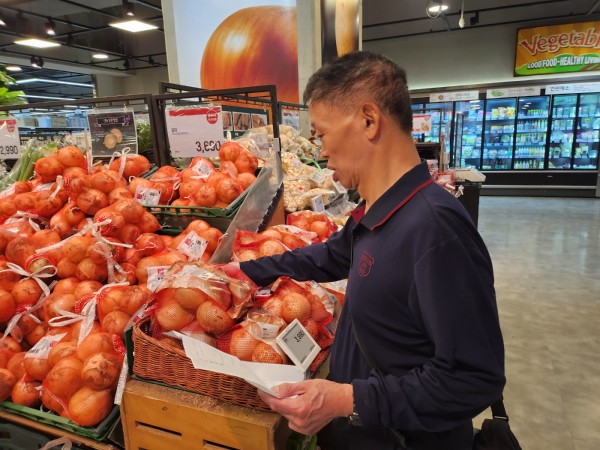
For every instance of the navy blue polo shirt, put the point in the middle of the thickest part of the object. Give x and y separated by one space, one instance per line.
421 297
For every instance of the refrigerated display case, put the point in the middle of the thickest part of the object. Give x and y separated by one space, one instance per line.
499 133
562 132
441 117
587 137
468 133
532 131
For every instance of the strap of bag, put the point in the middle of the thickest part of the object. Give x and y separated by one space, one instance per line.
498 409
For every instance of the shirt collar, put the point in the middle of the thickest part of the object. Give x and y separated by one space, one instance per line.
394 198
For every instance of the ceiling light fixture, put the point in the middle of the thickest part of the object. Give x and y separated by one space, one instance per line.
436 6
100 56
2 22
37 62
46 97
48 80
37 43
461 21
50 27
13 68
127 9
134 26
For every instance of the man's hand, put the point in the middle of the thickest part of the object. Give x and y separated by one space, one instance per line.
312 404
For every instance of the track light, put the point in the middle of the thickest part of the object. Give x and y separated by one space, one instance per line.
37 62
475 19
50 27
127 9
2 22
461 21
151 60
126 64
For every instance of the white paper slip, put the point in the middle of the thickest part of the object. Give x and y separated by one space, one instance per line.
261 375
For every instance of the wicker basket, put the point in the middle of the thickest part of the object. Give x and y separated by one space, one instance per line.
155 360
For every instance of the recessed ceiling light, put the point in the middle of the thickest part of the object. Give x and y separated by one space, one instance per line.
100 56
133 26
37 43
438 8
13 68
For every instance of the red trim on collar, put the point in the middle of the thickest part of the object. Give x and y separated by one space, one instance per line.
358 213
402 203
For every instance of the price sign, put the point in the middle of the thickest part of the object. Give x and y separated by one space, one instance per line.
155 275
194 131
193 246
147 196
10 144
317 203
298 344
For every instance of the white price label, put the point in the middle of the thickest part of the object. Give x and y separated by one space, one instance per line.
261 140
194 131
147 196
10 144
317 203
339 188
193 246
318 176
269 331
202 169
41 349
155 275
298 344
264 292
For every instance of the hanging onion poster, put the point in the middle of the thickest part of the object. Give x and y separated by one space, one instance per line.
112 132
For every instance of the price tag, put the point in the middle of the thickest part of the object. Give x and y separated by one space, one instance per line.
155 275
147 196
193 246
269 331
317 203
339 188
298 344
263 293
261 140
194 131
202 169
10 143
41 349
318 177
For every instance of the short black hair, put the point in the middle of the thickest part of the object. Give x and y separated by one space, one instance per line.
363 75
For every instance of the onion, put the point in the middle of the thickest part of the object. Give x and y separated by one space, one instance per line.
71 156
247 255
73 172
270 248
38 332
89 270
246 163
245 180
48 168
133 299
7 278
36 368
170 315
149 223
188 187
295 306
26 324
128 234
130 276
135 165
242 344
119 193
65 377
51 401
65 268
321 228
312 327
8 306
190 298
114 322
66 286
95 343
91 201
229 168
230 150
130 209
56 302
117 221
215 178
88 407
86 287
7 381
73 335
264 353
228 190
149 243
213 319
76 247
46 205
101 371
44 238
26 393
16 364
60 351
10 344
205 196
103 182
4 357
318 311
18 250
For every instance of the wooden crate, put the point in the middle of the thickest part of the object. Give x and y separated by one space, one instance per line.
156 417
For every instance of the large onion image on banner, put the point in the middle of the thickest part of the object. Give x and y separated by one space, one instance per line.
254 46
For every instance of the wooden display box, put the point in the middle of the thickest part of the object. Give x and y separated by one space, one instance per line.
157 418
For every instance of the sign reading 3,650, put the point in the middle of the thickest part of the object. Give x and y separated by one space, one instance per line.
9 150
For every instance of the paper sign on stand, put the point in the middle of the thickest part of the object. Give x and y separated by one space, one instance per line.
194 131
10 144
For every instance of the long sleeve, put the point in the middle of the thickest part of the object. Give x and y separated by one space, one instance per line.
456 304
327 261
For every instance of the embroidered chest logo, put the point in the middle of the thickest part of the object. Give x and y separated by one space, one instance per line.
366 262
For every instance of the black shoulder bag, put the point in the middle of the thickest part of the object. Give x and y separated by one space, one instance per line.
495 433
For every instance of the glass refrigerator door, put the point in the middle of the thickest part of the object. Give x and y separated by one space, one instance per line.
561 131
587 138
532 126
440 122
417 109
499 134
472 129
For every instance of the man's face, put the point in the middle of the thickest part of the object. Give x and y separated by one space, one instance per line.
342 142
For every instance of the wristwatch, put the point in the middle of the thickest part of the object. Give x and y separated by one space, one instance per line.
354 419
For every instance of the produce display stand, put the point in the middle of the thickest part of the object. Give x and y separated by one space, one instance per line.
157 417
22 433
136 102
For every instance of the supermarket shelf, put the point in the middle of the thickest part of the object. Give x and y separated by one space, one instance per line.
532 117
531 131
510 119
529 156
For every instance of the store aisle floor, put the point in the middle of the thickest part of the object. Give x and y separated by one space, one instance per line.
546 255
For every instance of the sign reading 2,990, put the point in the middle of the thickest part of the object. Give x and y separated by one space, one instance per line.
10 145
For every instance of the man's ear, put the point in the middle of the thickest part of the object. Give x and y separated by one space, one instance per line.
371 119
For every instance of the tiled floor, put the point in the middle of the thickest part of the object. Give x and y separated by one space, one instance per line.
546 255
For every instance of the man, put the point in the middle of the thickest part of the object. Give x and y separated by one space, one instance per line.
420 299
